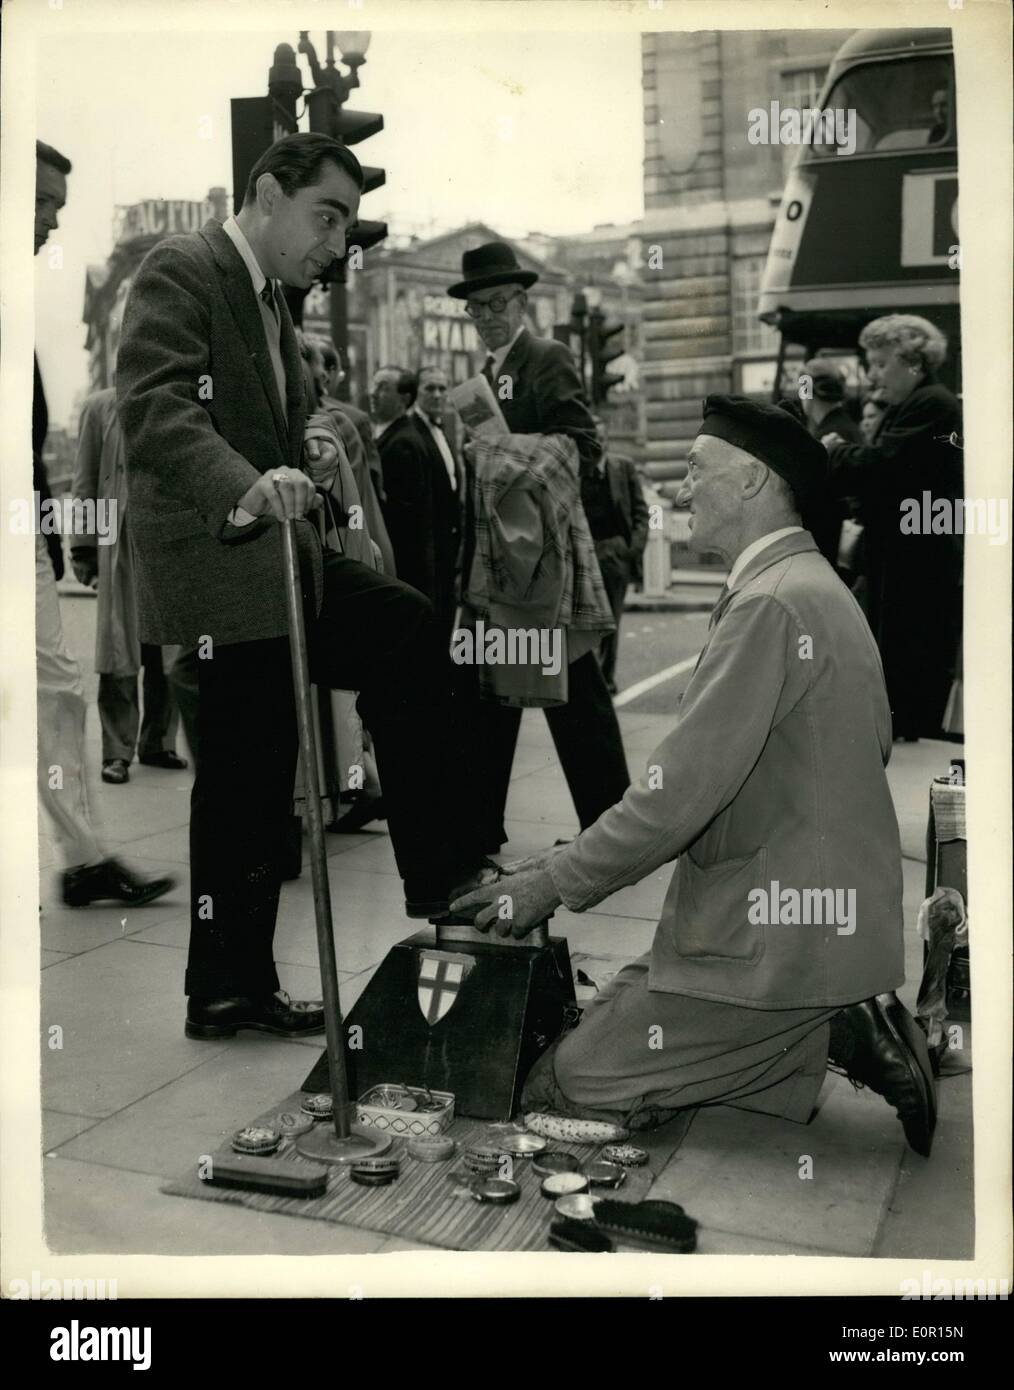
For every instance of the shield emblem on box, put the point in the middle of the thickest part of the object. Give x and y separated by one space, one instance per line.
441 975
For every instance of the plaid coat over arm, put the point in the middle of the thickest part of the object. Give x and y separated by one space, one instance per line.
534 564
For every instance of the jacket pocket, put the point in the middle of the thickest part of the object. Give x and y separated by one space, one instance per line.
166 526
712 906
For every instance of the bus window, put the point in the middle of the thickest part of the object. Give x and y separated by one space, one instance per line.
895 106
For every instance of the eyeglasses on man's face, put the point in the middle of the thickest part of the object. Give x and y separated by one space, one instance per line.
475 308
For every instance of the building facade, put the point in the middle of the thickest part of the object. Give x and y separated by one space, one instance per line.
710 199
136 229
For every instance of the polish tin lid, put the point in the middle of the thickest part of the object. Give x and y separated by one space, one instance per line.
498 1192
291 1124
564 1184
256 1139
579 1206
601 1174
320 1106
523 1145
432 1148
376 1165
629 1155
555 1161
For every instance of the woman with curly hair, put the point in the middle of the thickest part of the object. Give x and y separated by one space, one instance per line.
914 599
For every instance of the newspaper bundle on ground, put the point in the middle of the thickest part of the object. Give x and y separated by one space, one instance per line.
475 403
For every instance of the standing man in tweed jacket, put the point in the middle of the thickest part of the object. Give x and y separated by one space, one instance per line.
539 391
213 409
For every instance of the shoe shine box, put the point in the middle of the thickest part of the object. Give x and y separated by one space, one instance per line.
410 1124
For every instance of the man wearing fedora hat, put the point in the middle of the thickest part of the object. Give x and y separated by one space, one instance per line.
781 940
539 391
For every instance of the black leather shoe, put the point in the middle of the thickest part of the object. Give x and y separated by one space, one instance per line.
418 905
879 1044
116 771
111 879
172 761
275 1013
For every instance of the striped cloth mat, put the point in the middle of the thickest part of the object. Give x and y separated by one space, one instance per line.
429 1201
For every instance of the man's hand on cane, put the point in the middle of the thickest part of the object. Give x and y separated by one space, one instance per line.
282 493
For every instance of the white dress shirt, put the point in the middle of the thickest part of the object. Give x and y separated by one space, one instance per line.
755 548
239 516
499 354
440 439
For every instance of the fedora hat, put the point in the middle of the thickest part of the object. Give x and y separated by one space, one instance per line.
492 264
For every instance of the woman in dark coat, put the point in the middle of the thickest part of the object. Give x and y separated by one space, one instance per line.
914 576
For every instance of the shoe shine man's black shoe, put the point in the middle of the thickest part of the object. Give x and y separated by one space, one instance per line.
879 1044
208 1019
172 761
94 883
116 771
419 905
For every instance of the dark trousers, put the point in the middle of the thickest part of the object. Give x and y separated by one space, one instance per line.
616 581
183 679
587 737
120 711
374 635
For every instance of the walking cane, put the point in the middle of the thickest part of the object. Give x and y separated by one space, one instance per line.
341 1142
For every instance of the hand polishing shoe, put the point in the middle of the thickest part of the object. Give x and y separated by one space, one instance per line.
420 904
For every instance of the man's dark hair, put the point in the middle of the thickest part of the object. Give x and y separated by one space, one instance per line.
296 162
48 155
407 385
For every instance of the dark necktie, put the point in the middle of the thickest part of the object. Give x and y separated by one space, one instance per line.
487 368
268 295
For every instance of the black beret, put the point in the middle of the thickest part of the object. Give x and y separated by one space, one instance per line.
778 436
775 436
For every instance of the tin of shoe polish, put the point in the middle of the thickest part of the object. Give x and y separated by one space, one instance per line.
432 1148
480 1163
523 1144
628 1155
601 1174
256 1140
498 1192
564 1185
318 1107
579 1206
390 1098
555 1161
374 1171
290 1125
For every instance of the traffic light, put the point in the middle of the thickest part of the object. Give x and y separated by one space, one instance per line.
601 353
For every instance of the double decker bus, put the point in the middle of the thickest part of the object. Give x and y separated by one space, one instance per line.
874 230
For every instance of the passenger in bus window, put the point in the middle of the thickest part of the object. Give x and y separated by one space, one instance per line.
940 105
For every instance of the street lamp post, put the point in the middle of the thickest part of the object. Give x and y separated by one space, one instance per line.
324 104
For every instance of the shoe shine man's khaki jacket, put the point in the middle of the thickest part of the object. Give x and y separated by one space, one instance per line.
773 775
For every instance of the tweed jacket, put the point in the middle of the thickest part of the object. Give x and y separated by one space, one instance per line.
202 420
772 779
